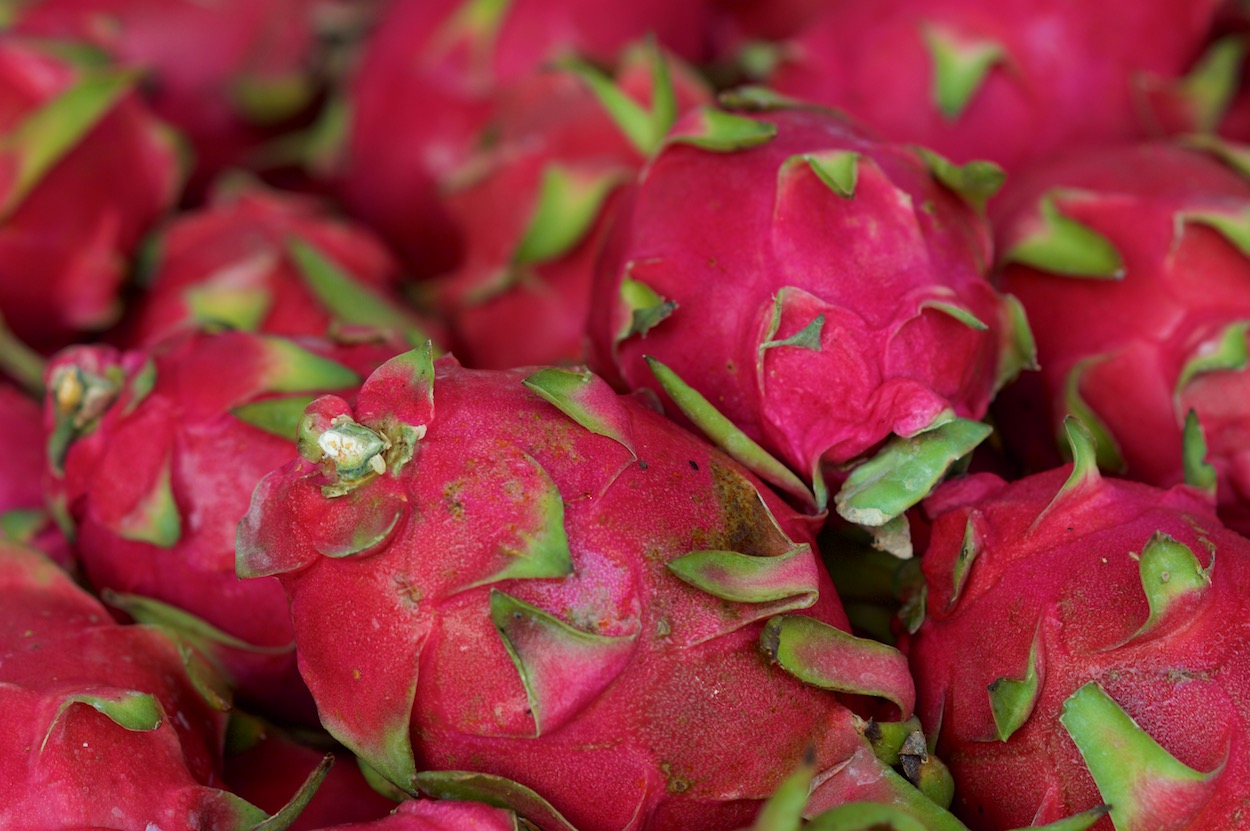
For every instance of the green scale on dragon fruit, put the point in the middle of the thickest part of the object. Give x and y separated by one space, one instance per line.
566 604
152 456
1133 264
109 726
85 170
1010 81
453 56
270 261
1086 643
534 201
822 306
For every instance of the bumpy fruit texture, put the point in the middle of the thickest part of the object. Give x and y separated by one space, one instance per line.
452 56
106 726
152 457
560 600
536 199
1134 267
273 262
1083 645
1011 81
85 169
824 291
230 74
431 815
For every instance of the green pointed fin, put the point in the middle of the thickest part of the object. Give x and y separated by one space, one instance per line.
644 129
1211 84
1061 245
954 310
268 100
1076 822
646 308
1228 352
743 578
291 368
556 662
47 134
1232 154
276 416
295 806
236 307
905 471
1128 766
587 399
754 98
838 169
22 524
493 790
1199 473
139 386
888 737
23 364
1012 699
569 203
1107 455
826 657
129 709
1172 579
726 435
203 675
1233 225
1020 350
869 816
1083 448
975 182
971 548
380 783
544 551
155 519
784 809
152 612
346 298
809 337
718 131
960 67
927 772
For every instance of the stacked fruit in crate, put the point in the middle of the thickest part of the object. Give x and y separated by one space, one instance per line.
562 415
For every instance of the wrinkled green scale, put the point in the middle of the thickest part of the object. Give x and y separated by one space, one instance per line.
1124 760
1226 353
743 578
496 791
277 416
50 132
1171 577
642 128
1083 448
291 811
975 182
1107 455
234 307
868 816
569 203
960 67
957 312
545 552
1234 226
646 308
1234 155
204 677
969 550
1020 352
291 368
1076 822
1012 699
838 169
585 398
1066 247
784 809
806 338
155 519
1199 473
129 709
1210 85
720 132
726 435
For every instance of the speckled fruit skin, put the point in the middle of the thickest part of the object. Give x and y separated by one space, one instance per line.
515 538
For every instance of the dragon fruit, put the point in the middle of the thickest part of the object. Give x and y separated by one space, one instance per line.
274 262
23 515
85 169
152 457
453 56
230 75
538 198
1132 265
1083 644
434 815
563 603
1012 82
826 291
106 726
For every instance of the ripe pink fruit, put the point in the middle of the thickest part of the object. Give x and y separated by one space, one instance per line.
431 815
1084 645
561 600
152 457
1135 274
84 171
23 515
1011 81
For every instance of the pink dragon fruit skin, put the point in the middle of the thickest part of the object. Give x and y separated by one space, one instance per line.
152 455
106 726
438 815
451 56
534 211
571 595
1140 319
229 75
84 171
1012 82
23 515
827 289
1081 647
272 262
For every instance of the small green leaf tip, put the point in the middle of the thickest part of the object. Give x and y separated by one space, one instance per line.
277 416
784 809
826 657
291 811
47 134
1084 450
1227 352
1210 85
585 398
1199 473
1076 822
1012 699
726 435
838 169
903 472
718 131
1172 579
975 182
1061 245
960 67
743 578
1107 455
569 202
646 308
642 128
1232 224
155 519
292 368
1130 768
1019 352
129 709
969 550
954 310
468 786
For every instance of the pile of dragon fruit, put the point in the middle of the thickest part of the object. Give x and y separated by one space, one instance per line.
569 415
